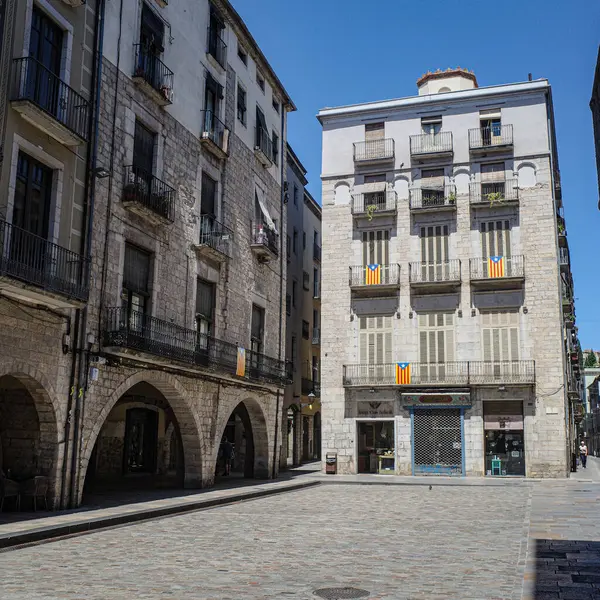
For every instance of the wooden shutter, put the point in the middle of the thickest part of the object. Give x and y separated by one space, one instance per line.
374 131
375 340
376 247
436 337
495 238
500 335
492 172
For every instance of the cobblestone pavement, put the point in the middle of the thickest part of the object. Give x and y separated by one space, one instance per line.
399 542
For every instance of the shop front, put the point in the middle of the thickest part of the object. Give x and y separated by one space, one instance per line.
504 439
376 438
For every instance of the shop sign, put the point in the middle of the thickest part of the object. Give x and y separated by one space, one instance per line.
374 409
436 399
510 422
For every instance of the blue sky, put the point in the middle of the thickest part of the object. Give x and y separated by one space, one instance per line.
332 52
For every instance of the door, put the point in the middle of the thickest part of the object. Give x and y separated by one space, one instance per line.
500 332
135 295
434 253
317 436
141 436
305 433
152 33
437 441
495 241
143 166
436 347
205 311
491 131
375 350
376 251
43 75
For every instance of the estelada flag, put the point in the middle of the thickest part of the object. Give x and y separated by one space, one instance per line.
402 373
373 274
240 370
496 266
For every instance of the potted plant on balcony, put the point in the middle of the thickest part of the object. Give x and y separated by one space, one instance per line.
371 208
570 320
452 198
495 198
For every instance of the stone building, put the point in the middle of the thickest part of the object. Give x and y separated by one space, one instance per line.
303 252
447 299
181 341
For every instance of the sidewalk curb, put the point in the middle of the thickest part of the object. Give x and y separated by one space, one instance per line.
55 532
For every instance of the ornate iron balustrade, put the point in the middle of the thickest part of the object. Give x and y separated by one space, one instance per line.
217 48
424 272
214 129
563 256
216 235
488 137
449 373
144 333
373 150
316 252
372 203
33 260
431 143
494 192
433 196
143 188
33 82
264 236
153 71
512 266
388 275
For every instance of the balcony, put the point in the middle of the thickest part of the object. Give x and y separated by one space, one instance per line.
374 151
152 76
316 252
265 243
494 193
374 204
566 297
563 260
460 373
316 290
316 336
375 278
434 277
562 231
497 272
48 103
497 138
34 269
433 198
137 333
263 147
214 135
148 196
215 240
431 145
217 48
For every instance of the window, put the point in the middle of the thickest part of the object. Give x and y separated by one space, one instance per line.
260 80
305 329
495 238
294 290
434 244
500 335
377 178
152 34
216 46
304 240
376 247
436 345
242 55
205 311
316 318
241 105
315 283
257 329
305 281
491 125
276 105
136 286
492 180
295 241
213 94
262 134
144 141
275 143
374 131
208 195
295 195
431 125
288 305
293 351
375 340
288 246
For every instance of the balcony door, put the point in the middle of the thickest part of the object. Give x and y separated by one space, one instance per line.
213 94
43 75
436 346
257 333
144 141
376 251
432 187
495 241
152 33
500 340
434 253
375 349
205 313
135 295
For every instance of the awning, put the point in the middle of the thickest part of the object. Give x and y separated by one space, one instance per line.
260 198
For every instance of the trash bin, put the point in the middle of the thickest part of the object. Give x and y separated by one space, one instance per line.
331 463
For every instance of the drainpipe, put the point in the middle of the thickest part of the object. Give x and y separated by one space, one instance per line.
281 309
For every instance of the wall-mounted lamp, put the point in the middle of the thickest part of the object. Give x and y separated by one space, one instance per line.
91 339
101 173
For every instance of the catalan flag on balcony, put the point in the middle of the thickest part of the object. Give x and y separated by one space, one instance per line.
402 373
373 274
496 266
240 370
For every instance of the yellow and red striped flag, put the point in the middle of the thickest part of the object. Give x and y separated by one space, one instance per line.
240 370
373 274
496 266
402 373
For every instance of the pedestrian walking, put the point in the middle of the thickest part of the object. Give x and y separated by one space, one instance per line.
227 448
583 454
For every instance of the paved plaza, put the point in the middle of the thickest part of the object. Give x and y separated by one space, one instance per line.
396 541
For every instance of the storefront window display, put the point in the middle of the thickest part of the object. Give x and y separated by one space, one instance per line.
504 439
376 447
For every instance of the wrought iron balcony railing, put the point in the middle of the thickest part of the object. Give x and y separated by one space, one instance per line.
373 203
150 192
430 272
35 261
137 331
505 267
33 82
265 237
382 275
263 143
215 235
316 336
316 252
427 197
494 193
489 137
214 130
448 373
431 143
153 71
217 48
563 256
374 150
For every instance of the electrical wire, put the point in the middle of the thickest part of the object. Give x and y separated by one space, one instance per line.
33 316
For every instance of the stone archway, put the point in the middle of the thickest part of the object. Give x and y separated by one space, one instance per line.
176 399
31 426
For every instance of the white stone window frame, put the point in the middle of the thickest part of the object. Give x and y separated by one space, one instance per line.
20 144
67 27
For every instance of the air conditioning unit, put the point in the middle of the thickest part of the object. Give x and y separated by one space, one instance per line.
74 3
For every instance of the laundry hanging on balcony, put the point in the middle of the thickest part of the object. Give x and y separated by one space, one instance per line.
260 198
